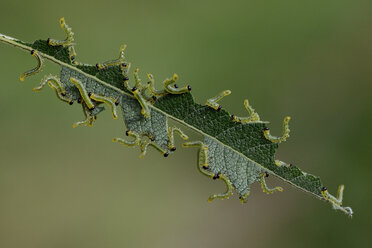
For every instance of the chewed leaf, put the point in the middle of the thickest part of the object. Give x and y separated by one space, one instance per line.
237 150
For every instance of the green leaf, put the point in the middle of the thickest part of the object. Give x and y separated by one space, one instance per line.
237 150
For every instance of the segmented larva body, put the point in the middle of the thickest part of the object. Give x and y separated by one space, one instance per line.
264 186
69 35
114 62
83 92
212 102
37 69
252 117
285 134
109 101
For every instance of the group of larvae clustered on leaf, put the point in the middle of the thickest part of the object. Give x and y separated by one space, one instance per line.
146 95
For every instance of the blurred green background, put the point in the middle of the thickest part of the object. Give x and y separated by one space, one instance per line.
62 187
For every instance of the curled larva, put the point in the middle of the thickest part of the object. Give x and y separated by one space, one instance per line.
37 69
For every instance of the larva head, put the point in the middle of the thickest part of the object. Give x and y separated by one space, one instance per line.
125 66
287 119
62 22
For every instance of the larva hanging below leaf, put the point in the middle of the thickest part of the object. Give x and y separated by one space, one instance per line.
146 144
212 102
37 69
83 92
264 187
203 167
56 82
61 95
171 132
285 134
89 119
109 101
135 142
114 62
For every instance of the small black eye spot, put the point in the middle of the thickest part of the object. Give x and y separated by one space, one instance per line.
117 102
89 94
154 98
63 94
219 108
97 66
205 167
266 174
291 165
324 189
32 52
134 88
124 64
232 117
126 78
189 87
72 57
79 100
173 149
175 86
71 102
92 108
266 129
127 133
48 40
166 154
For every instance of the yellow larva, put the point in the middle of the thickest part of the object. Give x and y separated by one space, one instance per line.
69 35
264 187
285 134
252 117
83 92
173 89
212 102
113 62
37 69
171 132
109 101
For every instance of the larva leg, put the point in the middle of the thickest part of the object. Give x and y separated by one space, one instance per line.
60 94
114 62
285 134
151 87
212 102
171 132
252 117
56 82
172 88
135 142
264 187
229 188
337 202
146 144
37 69
83 92
109 101
89 119
281 163
66 42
